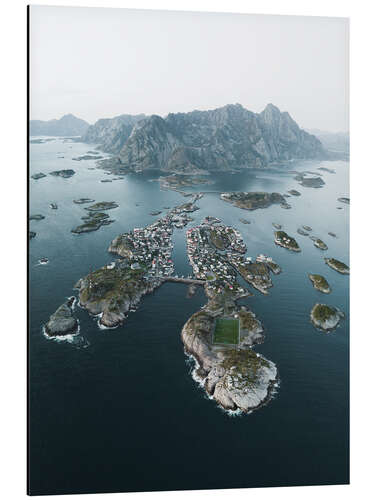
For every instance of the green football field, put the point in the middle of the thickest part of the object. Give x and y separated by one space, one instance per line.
226 331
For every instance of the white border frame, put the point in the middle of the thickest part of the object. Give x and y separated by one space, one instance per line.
13 346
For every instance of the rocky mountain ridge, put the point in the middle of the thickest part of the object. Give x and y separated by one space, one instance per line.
112 133
222 139
65 126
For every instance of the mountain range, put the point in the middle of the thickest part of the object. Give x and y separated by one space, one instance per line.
333 141
220 139
65 126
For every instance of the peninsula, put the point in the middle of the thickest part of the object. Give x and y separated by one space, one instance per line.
220 336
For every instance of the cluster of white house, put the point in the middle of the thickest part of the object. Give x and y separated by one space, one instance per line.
207 263
151 247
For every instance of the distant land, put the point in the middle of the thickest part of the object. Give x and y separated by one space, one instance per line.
65 126
224 139
333 141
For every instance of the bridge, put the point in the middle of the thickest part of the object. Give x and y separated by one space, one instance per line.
186 281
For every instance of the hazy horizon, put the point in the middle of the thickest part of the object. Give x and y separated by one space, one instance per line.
99 63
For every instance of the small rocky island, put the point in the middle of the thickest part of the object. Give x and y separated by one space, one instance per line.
65 174
285 205
37 217
252 200
93 222
81 201
329 170
179 181
294 192
320 244
62 322
325 318
320 283
344 200
88 157
312 182
284 240
37 176
338 266
102 205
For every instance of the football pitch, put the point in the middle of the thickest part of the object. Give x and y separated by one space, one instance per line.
226 331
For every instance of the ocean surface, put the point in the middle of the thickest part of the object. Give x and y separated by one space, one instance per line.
120 411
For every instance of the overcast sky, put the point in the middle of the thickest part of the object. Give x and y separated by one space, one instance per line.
99 63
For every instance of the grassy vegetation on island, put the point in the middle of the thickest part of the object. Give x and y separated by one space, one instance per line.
320 244
322 312
111 286
102 205
325 317
286 241
218 239
320 283
244 362
226 331
338 266
252 200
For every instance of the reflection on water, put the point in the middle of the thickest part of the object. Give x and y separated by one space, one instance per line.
126 405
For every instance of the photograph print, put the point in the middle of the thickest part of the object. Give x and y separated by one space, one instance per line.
188 244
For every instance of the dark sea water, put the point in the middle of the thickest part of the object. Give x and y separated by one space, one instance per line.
122 413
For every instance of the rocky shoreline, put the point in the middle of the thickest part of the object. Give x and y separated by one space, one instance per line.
62 322
338 266
284 240
112 295
178 181
253 200
236 378
65 174
320 244
325 317
320 283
